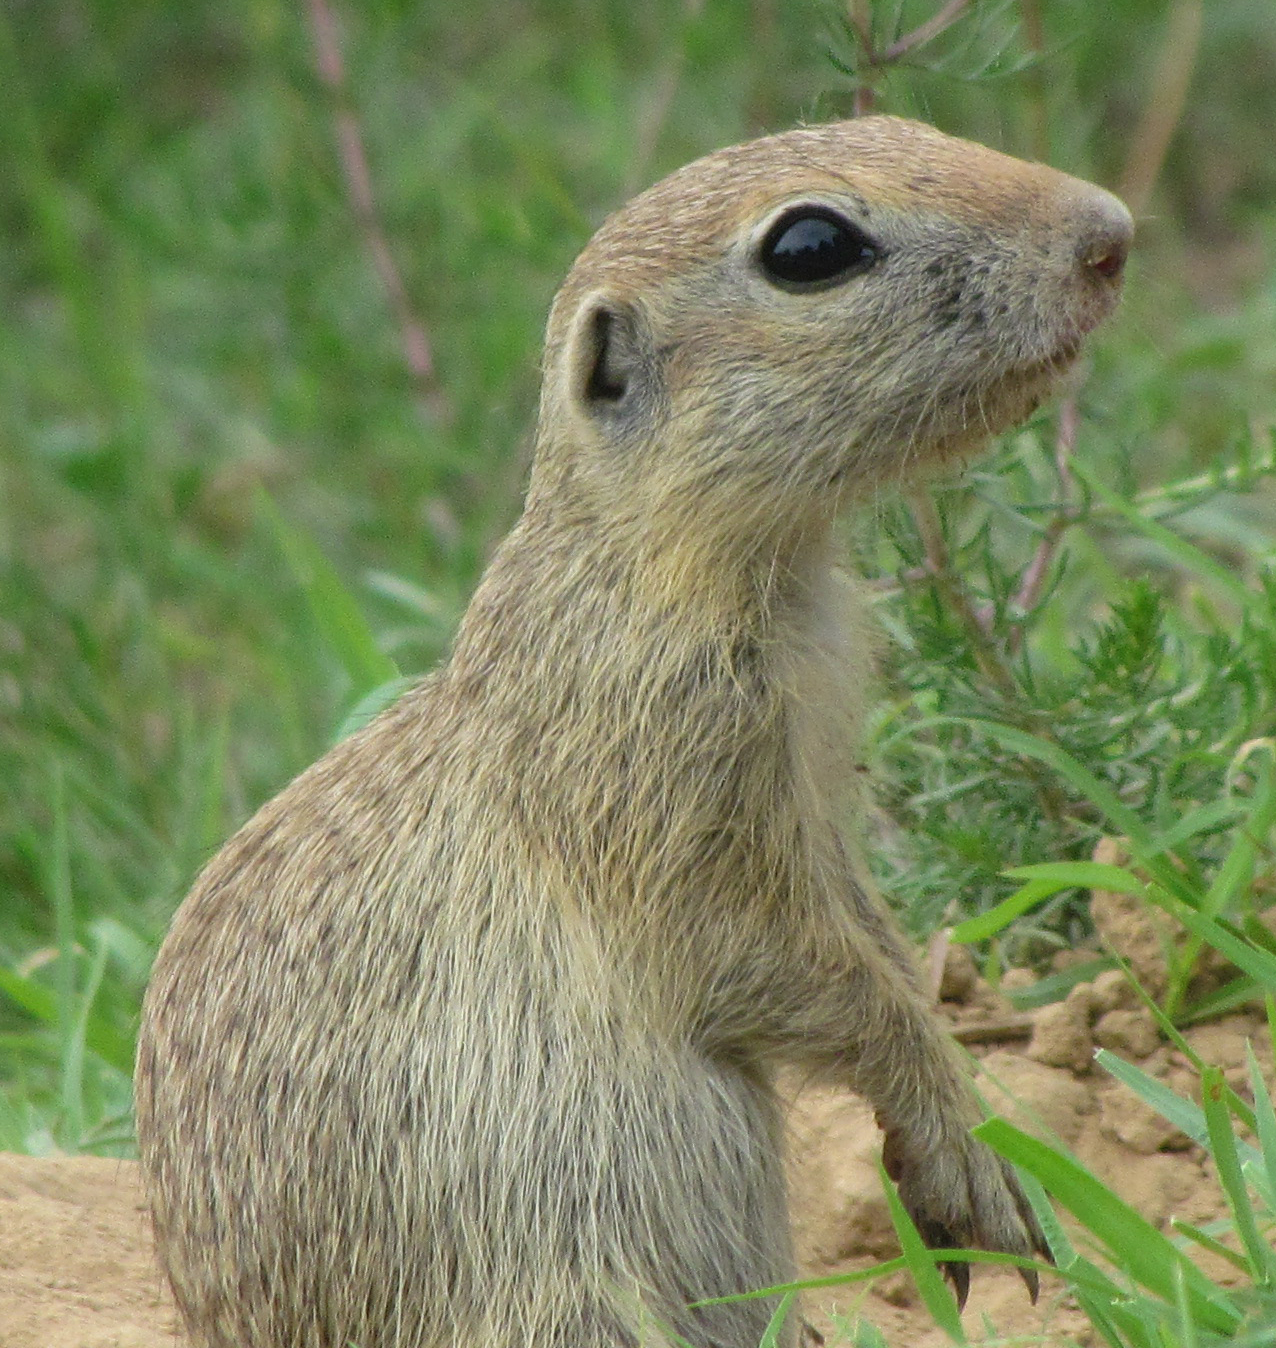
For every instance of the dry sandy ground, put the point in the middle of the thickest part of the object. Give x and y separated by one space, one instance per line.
75 1260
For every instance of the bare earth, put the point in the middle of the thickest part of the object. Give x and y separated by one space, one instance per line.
75 1258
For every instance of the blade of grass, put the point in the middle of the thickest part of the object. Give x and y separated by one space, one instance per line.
1054 987
1265 1126
331 605
211 829
1204 819
1097 1294
1207 1242
1235 875
1237 871
1125 820
809 1284
1252 928
372 705
882 1270
1134 1244
129 952
1257 963
922 1264
1233 995
775 1325
1043 881
865 1334
73 1059
1110 1307
1183 1114
38 1002
59 886
1262 1261
997 919
1183 1305
1081 875
1173 1034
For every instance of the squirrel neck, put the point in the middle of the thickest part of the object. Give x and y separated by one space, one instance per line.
568 586
683 709
688 550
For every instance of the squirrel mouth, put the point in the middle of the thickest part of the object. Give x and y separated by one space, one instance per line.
965 418
1010 398
1053 365
1036 380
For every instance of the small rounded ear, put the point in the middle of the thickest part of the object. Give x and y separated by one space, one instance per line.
613 363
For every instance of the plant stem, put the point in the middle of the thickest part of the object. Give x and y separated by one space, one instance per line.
1034 29
1034 577
860 14
924 32
1164 106
939 568
358 177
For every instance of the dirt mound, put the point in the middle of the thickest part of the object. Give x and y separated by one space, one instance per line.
76 1268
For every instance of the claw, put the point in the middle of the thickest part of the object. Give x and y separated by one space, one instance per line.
1032 1282
892 1152
937 1236
959 1276
809 1334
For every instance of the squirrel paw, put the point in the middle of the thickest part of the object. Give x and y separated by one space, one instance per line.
965 1195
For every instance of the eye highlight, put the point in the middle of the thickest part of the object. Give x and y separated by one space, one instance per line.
810 247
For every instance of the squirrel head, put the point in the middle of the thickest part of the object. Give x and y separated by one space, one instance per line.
794 321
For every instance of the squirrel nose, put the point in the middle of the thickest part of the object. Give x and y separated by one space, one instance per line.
1105 237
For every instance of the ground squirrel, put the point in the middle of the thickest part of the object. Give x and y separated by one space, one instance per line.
467 1038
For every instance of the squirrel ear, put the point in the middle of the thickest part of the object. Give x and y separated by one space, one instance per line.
613 369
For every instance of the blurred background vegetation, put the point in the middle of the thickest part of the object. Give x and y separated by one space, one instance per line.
258 251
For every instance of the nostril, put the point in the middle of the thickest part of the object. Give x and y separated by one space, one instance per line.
1104 236
1108 262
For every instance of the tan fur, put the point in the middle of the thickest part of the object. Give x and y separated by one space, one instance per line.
467 1038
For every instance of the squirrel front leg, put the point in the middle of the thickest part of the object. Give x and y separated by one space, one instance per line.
866 1024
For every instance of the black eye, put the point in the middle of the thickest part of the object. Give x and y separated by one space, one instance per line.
811 246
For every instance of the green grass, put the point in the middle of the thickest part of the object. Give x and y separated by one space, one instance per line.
229 508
